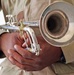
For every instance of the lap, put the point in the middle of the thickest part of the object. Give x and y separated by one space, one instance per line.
8 69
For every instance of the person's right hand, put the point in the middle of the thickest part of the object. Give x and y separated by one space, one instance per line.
24 59
11 45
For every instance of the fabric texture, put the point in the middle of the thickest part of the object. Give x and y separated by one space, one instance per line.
32 10
2 31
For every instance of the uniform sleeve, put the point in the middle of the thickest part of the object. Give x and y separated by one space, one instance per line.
68 52
2 31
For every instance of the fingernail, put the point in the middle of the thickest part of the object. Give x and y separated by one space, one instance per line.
23 45
9 52
27 40
10 58
15 46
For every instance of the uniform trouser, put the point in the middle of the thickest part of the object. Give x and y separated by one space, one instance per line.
6 68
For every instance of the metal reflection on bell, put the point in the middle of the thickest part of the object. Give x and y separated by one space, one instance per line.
56 24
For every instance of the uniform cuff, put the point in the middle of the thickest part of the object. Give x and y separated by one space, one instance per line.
68 52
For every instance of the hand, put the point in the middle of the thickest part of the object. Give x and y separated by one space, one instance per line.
48 55
7 42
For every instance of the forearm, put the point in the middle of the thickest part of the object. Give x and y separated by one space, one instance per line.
0 43
1 32
0 5
1 52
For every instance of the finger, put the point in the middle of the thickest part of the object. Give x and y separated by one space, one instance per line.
36 64
21 59
11 60
25 35
16 56
26 43
22 66
24 52
26 67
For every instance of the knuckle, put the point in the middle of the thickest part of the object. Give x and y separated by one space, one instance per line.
23 55
21 61
26 55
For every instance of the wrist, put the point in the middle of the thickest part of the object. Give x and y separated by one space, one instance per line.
1 52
